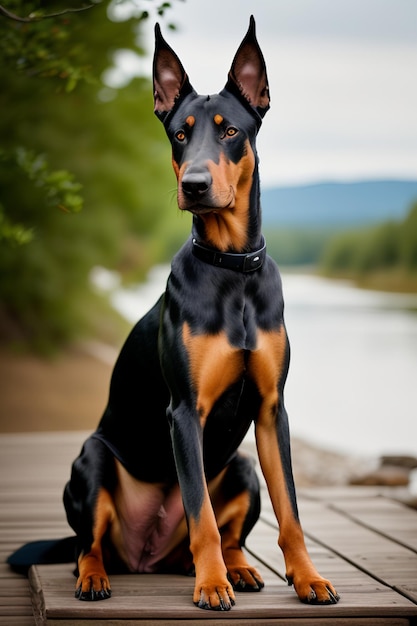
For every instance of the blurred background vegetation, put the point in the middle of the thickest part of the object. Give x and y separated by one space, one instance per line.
381 257
378 256
86 180
85 175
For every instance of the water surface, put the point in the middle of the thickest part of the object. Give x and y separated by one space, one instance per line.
352 385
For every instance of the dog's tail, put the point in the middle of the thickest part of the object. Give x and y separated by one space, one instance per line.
46 552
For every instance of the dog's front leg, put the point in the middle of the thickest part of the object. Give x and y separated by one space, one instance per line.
204 367
275 460
268 366
212 588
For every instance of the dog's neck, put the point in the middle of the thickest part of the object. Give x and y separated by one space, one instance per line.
240 262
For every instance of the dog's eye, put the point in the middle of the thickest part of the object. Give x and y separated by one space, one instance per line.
180 135
231 131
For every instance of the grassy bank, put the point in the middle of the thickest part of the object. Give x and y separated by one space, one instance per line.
393 280
382 257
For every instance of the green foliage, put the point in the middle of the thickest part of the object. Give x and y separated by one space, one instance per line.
12 233
42 48
58 186
390 247
408 248
69 141
45 41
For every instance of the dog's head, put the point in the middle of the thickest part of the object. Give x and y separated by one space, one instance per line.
213 137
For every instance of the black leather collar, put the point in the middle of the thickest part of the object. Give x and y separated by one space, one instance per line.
246 262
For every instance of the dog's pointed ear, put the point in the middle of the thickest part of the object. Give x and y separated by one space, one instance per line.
170 80
247 77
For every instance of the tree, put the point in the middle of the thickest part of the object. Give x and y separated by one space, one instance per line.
68 141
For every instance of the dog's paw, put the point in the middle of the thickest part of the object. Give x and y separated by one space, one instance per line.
245 578
214 597
92 589
314 591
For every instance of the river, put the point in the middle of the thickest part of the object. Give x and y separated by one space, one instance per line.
352 385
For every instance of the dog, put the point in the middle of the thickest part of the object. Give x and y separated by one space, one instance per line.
161 486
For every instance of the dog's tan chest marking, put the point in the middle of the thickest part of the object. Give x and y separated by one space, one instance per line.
214 366
265 367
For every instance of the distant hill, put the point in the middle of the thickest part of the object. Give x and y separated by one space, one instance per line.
337 205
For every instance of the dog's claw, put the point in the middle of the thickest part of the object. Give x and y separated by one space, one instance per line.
312 597
240 585
320 592
243 586
91 595
202 604
333 598
245 579
223 606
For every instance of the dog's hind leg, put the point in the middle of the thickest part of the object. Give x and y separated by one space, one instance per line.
93 582
90 512
237 508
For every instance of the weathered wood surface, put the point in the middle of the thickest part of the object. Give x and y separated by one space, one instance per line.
364 541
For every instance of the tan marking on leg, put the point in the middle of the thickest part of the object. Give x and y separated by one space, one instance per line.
92 574
212 587
231 517
214 366
265 367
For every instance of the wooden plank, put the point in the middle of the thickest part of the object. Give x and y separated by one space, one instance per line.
31 508
345 576
19 620
408 590
16 609
387 517
170 597
43 451
16 587
380 557
229 620
352 492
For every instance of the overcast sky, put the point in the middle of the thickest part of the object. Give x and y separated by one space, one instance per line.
342 77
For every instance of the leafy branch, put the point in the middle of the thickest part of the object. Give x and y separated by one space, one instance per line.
13 233
36 16
58 188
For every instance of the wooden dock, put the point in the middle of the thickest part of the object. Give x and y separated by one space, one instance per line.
359 537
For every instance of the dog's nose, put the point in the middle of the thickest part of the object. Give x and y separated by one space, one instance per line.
196 184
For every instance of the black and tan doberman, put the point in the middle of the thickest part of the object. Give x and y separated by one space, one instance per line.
161 486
